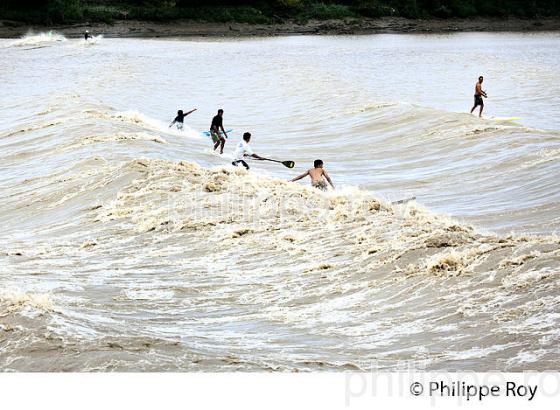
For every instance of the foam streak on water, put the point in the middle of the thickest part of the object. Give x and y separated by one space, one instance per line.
127 245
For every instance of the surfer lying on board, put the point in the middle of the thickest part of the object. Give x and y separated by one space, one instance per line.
217 123
316 174
478 94
180 118
244 150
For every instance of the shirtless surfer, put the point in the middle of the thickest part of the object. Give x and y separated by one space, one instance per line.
478 94
316 174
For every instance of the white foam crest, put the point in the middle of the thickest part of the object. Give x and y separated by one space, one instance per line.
17 299
529 278
32 38
147 122
92 41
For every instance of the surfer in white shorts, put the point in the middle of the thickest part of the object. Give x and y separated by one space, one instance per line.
316 174
180 118
243 150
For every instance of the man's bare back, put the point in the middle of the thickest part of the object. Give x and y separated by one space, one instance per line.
316 174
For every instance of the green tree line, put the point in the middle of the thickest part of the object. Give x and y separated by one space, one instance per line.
261 11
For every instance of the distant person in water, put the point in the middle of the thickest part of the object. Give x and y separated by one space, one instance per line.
217 124
478 94
180 118
316 174
244 150
87 36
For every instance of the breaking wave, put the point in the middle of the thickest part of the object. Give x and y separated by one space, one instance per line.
221 248
36 39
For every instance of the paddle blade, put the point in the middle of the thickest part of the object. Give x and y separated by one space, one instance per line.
289 164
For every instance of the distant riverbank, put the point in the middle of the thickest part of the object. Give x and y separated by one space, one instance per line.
191 28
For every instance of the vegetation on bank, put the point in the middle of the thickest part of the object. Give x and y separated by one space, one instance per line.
263 11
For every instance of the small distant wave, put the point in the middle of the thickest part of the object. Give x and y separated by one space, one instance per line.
123 136
33 127
31 39
411 119
15 299
115 137
47 110
371 107
92 41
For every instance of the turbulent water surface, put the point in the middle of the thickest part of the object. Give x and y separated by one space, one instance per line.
126 245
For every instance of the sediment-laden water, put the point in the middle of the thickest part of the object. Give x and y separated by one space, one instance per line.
129 246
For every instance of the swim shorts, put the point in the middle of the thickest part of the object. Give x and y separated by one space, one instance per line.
320 184
215 136
478 100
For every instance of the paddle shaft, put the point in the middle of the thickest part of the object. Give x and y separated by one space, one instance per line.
287 164
264 159
272 160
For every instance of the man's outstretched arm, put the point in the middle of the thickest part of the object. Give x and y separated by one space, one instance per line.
256 156
300 177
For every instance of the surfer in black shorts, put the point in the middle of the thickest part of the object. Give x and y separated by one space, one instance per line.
217 124
87 35
180 118
478 94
